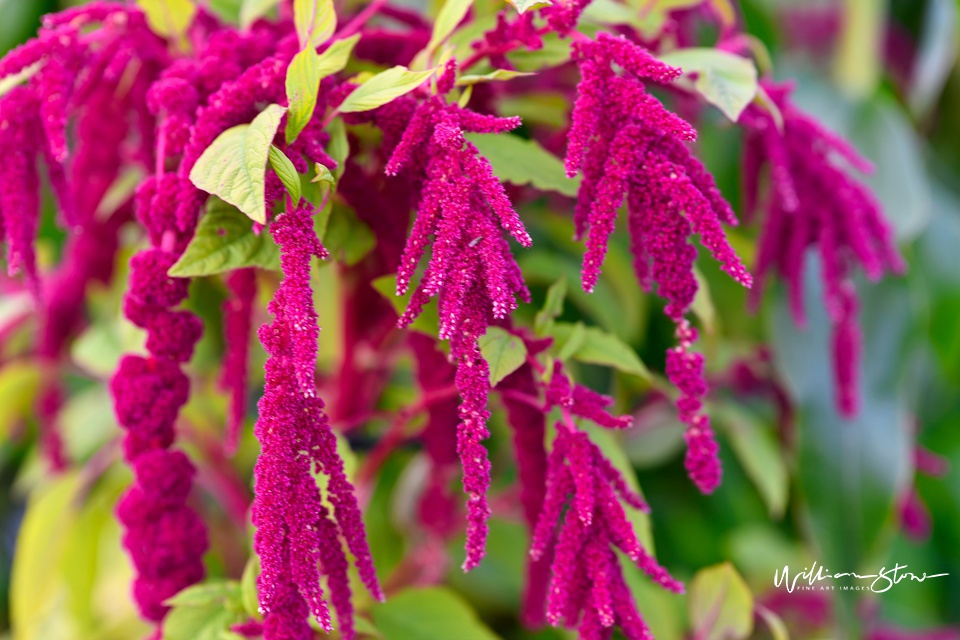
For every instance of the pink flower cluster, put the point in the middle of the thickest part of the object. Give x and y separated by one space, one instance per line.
628 146
584 494
814 203
297 534
471 270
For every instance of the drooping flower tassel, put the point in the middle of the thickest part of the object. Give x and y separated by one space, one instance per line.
628 146
296 533
471 270
813 204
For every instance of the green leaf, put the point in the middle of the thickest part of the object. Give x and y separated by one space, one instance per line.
339 147
526 5
204 612
199 595
253 10
383 88
759 453
554 52
98 349
524 162
249 595
168 18
427 322
725 80
602 348
233 167
433 613
348 238
336 56
503 351
19 382
576 339
303 83
14 79
315 20
451 14
493 76
286 172
721 605
552 307
224 241
702 305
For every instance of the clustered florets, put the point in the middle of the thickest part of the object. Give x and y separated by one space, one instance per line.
813 203
627 145
471 270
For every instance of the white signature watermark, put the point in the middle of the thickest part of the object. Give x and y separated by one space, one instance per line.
880 582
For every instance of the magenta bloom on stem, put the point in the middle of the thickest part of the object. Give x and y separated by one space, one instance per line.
296 535
628 146
471 271
814 204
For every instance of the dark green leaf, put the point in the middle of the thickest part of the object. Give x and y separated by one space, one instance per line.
524 162
503 351
225 241
552 307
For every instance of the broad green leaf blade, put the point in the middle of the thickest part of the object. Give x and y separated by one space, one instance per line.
493 76
383 88
552 307
335 58
303 83
168 18
225 241
233 167
524 162
206 593
451 14
315 21
286 172
721 604
253 10
574 342
434 613
503 351
758 452
339 147
600 347
725 80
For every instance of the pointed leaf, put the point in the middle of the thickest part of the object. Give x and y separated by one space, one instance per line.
503 351
602 348
499 74
225 241
451 14
725 80
383 88
335 58
303 83
315 20
233 167
524 162
526 5
552 307
434 613
168 18
721 604
253 10
286 172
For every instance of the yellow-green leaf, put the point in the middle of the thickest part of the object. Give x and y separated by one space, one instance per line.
303 83
383 88
525 5
253 10
725 80
19 381
233 167
552 307
602 348
493 76
451 14
427 322
336 56
315 20
168 18
776 625
286 172
524 162
225 241
503 351
14 79
434 613
721 604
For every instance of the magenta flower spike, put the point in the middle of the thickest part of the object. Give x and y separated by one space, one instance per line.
296 533
629 147
814 204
